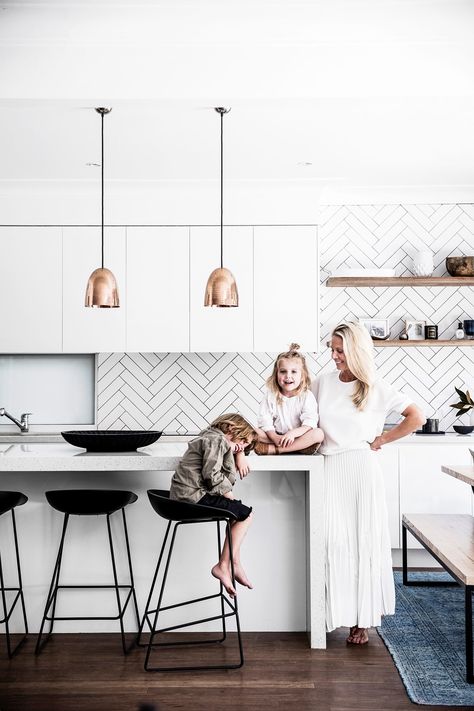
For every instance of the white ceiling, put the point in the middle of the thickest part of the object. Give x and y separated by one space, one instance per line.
340 92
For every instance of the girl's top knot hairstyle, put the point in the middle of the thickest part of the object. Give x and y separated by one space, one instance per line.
293 353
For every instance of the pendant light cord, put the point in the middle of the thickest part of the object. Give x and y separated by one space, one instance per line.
222 189
102 164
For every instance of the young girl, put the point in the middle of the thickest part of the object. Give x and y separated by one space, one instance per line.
288 418
206 474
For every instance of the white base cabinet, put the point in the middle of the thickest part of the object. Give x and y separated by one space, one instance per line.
424 488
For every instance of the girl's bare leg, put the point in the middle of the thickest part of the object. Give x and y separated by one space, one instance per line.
222 570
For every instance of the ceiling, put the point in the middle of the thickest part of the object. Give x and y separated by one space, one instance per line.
339 92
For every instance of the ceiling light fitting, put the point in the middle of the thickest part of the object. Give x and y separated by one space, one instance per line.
101 290
221 289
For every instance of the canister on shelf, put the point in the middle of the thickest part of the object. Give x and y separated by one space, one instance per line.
431 332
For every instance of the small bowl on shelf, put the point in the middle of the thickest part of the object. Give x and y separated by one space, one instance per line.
460 266
463 429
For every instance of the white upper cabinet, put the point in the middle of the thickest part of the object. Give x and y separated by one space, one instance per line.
157 289
221 329
88 330
286 277
31 303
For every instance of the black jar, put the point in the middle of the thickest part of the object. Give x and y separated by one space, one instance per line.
431 332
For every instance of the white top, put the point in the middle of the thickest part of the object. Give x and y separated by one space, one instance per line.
289 413
344 426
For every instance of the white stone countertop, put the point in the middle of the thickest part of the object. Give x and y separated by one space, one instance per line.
160 456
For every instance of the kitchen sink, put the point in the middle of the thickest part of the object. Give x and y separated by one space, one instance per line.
30 437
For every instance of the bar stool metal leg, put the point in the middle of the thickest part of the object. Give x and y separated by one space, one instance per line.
55 587
8 610
156 612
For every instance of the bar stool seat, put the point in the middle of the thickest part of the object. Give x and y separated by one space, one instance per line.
90 502
9 500
179 513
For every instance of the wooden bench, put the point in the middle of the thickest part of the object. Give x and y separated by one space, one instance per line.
450 540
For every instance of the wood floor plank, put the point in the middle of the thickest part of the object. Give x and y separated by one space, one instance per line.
89 673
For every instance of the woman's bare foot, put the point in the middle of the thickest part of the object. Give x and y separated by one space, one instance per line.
358 635
223 575
239 575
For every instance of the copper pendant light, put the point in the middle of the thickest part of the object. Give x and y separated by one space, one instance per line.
101 290
221 289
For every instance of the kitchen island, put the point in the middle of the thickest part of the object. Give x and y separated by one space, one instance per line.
283 553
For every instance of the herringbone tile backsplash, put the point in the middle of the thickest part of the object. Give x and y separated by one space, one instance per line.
182 392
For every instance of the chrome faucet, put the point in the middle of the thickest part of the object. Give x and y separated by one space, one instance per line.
22 423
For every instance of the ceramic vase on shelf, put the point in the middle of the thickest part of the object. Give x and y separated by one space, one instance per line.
423 263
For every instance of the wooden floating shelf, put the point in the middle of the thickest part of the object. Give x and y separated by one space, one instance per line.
430 342
400 281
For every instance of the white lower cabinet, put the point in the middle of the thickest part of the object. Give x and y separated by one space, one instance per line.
424 488
388 460
157 289
31 301
88 330
221 329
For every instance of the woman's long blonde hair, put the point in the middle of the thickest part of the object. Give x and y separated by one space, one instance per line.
293 353
359 354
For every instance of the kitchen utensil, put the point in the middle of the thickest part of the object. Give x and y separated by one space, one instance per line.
460 266
111 440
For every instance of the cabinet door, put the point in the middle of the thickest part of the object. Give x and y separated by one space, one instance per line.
31 303
221 329
424 488
388 460
286 277
158 289
87 330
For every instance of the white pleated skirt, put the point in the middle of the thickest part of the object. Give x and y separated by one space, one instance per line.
359 577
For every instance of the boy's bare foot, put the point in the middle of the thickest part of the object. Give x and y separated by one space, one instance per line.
241 578
358 635
223 575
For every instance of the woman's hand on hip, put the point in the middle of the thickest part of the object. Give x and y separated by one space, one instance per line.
377 443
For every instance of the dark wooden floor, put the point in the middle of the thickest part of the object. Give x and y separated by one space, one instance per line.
89 672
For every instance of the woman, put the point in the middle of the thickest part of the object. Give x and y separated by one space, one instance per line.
353 404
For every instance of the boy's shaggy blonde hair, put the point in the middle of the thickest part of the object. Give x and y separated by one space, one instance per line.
294 354
237 426
359 354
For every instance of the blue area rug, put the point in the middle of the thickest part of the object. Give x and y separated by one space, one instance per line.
426 640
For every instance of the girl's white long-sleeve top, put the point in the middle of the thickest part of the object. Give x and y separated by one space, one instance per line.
289 413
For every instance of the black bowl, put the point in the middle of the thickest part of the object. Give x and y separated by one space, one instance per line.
463 429
111 440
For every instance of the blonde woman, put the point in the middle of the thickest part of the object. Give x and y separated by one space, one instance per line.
288 417
206 475
353 403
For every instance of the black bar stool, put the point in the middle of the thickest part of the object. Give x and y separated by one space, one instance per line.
180 513
89 502
8 501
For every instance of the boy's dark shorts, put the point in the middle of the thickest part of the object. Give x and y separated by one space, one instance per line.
236 507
